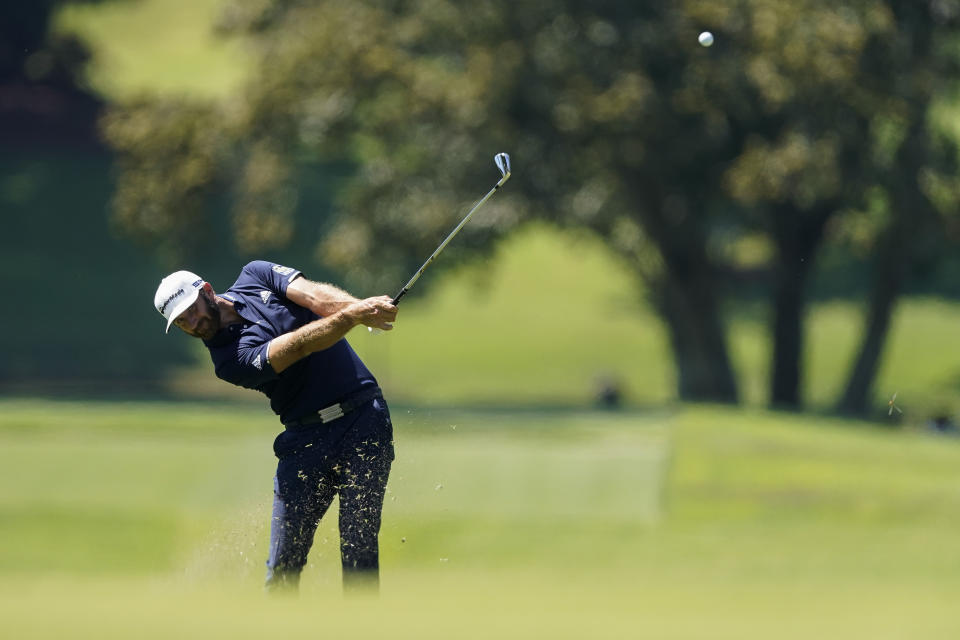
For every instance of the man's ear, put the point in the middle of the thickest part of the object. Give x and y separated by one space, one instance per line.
208 291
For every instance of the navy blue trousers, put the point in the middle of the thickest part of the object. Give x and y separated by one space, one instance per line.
349 458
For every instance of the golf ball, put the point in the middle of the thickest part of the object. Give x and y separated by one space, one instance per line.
706 38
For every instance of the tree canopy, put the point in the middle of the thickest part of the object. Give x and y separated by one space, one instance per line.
806 124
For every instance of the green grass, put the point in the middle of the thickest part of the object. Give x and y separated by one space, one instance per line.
707 521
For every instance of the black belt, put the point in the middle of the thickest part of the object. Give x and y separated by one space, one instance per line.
338 409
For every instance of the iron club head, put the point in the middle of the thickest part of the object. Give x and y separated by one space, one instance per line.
503 163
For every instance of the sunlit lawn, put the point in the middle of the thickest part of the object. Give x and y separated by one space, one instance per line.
123 520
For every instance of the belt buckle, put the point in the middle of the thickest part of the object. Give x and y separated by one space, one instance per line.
331 413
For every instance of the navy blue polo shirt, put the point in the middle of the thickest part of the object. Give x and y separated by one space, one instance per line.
239 351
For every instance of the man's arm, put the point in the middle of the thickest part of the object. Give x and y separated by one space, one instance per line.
324 333
321 298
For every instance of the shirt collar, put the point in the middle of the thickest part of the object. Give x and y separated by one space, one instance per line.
232 332
226 335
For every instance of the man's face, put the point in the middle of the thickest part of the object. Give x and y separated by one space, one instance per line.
201 319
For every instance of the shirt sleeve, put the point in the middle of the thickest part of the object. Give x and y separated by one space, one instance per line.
273 276
248 366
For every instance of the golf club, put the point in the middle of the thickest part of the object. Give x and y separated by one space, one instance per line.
502 160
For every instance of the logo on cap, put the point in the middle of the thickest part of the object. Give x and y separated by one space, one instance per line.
166 302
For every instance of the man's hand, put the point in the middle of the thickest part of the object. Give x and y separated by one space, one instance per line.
378 312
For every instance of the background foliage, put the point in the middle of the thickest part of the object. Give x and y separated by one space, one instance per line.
734 186
805 126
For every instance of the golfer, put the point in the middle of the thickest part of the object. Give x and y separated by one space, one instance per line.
279 333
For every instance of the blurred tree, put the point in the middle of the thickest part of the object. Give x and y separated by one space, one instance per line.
843 98
617 120
418 96
170 154
916 177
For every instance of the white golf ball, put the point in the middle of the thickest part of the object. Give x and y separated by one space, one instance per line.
706 38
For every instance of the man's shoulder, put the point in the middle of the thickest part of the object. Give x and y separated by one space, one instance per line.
265 273
265 267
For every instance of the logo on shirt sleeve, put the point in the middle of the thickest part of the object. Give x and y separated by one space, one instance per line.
284 271
265 296
257 363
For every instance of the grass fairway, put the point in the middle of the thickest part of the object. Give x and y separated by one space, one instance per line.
148 521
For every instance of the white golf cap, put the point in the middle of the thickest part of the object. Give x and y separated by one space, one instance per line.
176 292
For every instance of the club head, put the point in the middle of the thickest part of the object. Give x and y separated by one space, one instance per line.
503 163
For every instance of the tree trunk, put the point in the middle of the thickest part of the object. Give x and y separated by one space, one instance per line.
788 308
909 208
856 397
798 235
699 347
686 290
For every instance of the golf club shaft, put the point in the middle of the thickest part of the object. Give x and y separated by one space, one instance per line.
502 160
446 241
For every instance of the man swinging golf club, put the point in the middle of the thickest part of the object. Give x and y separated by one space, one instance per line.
279 333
